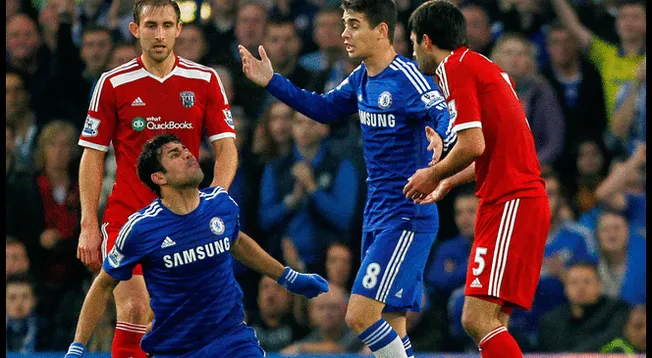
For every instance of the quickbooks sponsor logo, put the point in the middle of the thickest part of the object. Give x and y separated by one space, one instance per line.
168 125
138 124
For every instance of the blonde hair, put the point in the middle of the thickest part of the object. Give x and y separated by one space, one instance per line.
48 134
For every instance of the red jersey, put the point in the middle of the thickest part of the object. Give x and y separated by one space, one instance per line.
481 95
130 106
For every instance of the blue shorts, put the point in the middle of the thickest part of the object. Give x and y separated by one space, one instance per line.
242 343
391 269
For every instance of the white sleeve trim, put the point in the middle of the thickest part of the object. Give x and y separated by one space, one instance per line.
87 144
463 126
221 136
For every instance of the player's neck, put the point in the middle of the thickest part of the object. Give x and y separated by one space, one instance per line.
379 62
181 201
159 69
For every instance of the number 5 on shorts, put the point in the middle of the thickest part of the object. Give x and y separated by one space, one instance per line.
479 252
371 278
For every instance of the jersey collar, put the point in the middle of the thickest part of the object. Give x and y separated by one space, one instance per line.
457 50
160 79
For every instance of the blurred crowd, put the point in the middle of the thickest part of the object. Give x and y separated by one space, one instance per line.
580 72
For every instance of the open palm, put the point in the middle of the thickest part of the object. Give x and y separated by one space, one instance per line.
258 71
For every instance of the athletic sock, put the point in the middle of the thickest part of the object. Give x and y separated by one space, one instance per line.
408 347
499 344
383 341
126 342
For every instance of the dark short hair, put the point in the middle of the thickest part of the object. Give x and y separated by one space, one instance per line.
96 28
641 3
376 12
442 22
149 160
19 279
140 4
586 264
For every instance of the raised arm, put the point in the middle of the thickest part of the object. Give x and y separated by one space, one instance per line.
326 108
569 18
610 191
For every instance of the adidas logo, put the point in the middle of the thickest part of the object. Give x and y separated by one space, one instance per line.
137 102
476 283
167 242
399 294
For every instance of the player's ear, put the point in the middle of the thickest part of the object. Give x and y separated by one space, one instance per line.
383 30
158 178
179 26
133 28
427 42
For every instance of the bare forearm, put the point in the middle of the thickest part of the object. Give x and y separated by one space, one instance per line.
247 251
616 181
622 119
456 165
226 162
466 175
569 18
91 173
93 307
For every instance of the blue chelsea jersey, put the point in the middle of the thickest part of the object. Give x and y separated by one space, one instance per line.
394 107
187 269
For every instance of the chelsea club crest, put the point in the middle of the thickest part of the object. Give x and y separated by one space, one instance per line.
217 226
385 100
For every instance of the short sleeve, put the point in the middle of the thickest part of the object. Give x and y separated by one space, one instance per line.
126 253
463 104
101 119
217 118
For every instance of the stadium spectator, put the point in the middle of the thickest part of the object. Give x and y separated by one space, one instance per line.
121 54
26 332
624 190
622 259
51 14
616 63
579 90
447 270
303 12
283 44
588 321
21 118
629 118
516 56
274 323
219 28
94 12
525 17
326 33
478 28
339 265
401 40
330 333
191 44
250 27
634 335
273 134
307 195
589 171
599 17
226 77
16 256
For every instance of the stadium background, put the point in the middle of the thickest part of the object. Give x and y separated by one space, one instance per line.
590 150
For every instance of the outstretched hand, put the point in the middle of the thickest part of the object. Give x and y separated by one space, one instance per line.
309 285
258 71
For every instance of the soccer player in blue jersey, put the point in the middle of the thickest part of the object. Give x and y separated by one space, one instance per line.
184 241
395 103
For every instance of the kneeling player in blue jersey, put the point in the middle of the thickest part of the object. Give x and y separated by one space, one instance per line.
184 241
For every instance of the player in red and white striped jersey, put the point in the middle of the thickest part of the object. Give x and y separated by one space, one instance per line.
496 148
155 93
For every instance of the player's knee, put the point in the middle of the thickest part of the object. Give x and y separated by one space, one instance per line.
358 322
134 310
472 322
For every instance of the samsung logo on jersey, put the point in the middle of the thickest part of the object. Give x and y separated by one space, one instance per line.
377 119
198 253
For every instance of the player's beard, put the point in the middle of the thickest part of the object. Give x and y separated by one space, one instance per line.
428 65
159 57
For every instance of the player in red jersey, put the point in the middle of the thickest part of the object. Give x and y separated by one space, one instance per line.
496 148
154 93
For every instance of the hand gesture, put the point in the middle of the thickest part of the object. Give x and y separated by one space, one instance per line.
309 285
88 249
440 191
303 174
258 71
436 145
420 184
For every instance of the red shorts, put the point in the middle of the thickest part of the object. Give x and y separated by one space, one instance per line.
507 253
110 232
